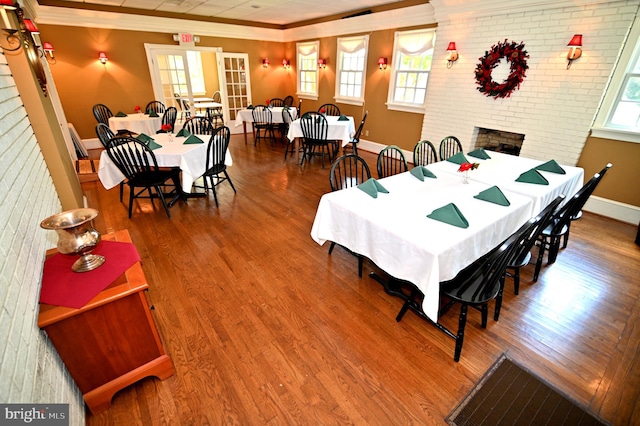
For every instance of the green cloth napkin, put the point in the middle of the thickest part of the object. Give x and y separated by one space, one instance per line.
480 153
183 132
153 114
493 195
449 214
343 118
144 138
551 166
153 145
458 158
421 172
532 176
121 114
286 107
192 139
251 107
372 187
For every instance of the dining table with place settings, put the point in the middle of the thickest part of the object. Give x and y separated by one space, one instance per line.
136 123
425 230
245 116
188 153
339 128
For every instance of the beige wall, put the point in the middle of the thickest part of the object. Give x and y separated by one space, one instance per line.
621 182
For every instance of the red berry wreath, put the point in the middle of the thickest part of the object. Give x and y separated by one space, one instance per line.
514 54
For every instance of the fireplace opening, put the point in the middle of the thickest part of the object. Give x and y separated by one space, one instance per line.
498 140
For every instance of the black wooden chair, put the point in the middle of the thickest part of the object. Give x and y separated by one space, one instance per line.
215 115
330 109
155 106
138 164
102 113
284 129
522 255
356 137
276 102
216 169
449 146
475 286
348 171
391 161
169 118
198 126
105 134
314 130
560 222
424 153
263 124
288 100
299 108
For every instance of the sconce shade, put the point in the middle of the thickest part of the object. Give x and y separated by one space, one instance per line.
452 46
47 47
286 63
576 41
382 63
453 53
102 57
29 25
265 63
322 63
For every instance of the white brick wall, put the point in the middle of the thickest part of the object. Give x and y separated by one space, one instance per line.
555 105
30 369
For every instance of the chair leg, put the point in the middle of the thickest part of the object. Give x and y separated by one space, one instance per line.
213 188
462 321
516 281
230 183
331 247
360 263
539 260
554 248
164 202
121 190
565 239
131 195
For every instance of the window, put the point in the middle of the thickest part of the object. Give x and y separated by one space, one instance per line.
619 114
411 65
195 72
308 69
352 60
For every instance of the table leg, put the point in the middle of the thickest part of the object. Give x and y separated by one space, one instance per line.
392 286
244 129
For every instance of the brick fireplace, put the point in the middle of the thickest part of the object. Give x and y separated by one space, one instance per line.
498 140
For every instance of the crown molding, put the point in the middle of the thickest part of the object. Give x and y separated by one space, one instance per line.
410 16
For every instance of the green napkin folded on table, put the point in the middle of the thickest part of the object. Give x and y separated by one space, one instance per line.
458 158
372 187
343 118
421 172
183 132
251 107
479 153
144 138
192 139
153 114
532 176
493 195
121 114
449 214
153 145
551 166
286 107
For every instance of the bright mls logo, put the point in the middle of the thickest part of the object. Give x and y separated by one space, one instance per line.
34 414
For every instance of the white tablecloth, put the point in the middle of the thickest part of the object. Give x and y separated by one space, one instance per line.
137 123
246 115
190 158
394 232
503 170
337 130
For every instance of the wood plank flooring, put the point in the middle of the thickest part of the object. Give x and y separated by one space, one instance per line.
264 327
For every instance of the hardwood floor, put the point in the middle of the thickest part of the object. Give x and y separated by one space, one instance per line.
264 327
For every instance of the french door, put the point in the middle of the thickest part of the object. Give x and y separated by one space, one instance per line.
236 85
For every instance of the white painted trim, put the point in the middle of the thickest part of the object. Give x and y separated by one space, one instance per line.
618 135
93 143
613 209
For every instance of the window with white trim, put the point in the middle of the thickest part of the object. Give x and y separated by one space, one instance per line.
308 69
352 69
619 114
410 68
195 72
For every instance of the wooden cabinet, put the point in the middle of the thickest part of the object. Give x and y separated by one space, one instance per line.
112 341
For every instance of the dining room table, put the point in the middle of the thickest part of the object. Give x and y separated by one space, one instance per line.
136 123
337 129
245 116
173 152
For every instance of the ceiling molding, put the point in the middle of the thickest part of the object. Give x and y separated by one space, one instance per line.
410 16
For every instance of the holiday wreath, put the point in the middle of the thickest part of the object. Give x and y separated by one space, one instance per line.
515 54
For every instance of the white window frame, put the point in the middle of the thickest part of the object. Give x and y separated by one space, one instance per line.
307 54
424 46
346 47
630 53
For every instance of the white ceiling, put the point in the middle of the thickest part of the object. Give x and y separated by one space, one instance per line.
278 12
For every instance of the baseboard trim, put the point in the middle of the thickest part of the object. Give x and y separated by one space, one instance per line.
598 205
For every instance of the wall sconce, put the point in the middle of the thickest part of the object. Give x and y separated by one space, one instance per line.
102 57
286 64
29 25
265 63
322 63
382 63
575 52
453 54
7 25
47 48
